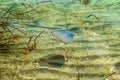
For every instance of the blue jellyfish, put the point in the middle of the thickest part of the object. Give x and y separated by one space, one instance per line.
63 35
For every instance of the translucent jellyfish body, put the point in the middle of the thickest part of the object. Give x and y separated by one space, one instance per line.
63 35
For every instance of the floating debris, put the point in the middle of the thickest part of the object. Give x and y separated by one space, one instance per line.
63 35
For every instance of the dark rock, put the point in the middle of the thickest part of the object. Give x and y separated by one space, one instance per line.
117 66
51 60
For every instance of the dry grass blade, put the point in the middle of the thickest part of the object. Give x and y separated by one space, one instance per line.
4 24
89 21
86 22
35 40
94 16
46 1
109 75
28 49
78 75
21 31
8 11
42 26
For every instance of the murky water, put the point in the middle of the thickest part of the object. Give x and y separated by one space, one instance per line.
29 51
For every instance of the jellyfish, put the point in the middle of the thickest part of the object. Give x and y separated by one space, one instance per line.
64 36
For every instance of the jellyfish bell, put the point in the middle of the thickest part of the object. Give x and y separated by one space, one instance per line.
63 35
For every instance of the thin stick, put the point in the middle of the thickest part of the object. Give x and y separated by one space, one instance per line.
42 26
13 37
7 11
8 30
26 11
85 22
35 40
34 9
28 49
46 1
20 31
5 24
8 23
78 75
94 16
109 75
28 46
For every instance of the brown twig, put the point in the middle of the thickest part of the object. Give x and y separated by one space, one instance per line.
38 12
13 37
28 46
46 1
5 24
109 75
90 16
78 75
8 30
85 22
94 16
35 40
20 31
9 10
